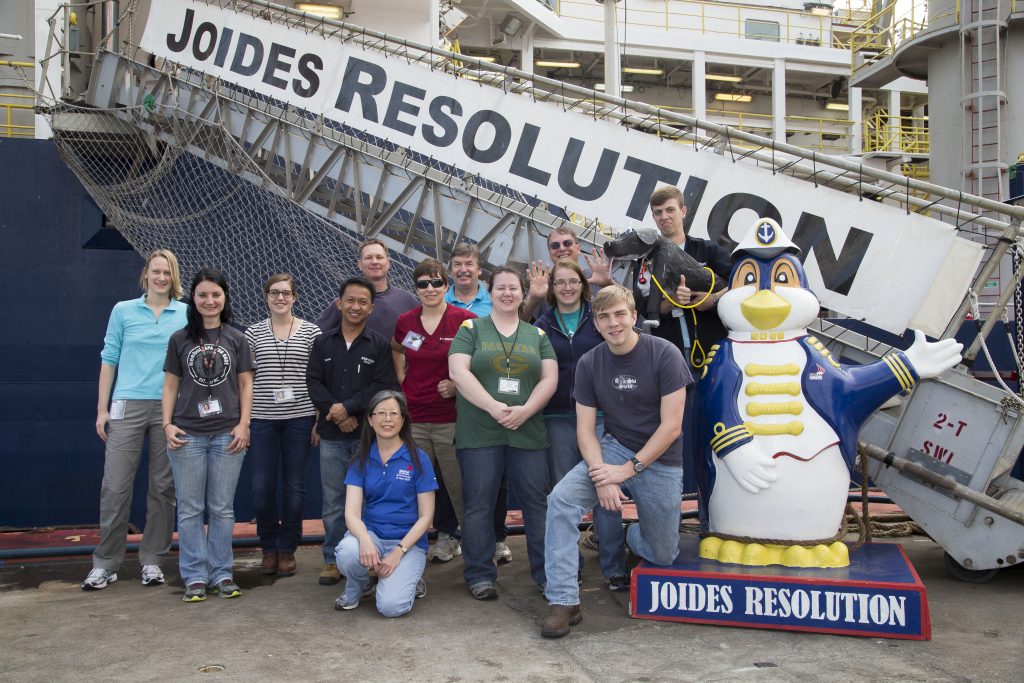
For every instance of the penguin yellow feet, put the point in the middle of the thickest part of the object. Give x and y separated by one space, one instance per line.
823 556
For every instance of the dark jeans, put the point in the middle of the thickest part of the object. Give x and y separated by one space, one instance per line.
278 451
482 470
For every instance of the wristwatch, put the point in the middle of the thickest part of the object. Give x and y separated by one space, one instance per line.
638 466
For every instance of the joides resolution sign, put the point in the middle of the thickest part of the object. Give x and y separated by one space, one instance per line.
867 260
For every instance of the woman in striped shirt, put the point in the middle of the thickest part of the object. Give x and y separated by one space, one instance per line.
283 421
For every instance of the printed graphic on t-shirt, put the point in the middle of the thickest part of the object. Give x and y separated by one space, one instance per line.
624 382
404 475
209 365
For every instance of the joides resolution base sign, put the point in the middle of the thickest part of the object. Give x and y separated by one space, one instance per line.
868 260
878 595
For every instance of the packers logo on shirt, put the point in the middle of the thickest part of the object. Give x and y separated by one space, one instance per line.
517 365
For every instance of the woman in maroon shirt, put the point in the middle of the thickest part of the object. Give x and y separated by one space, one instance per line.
420 347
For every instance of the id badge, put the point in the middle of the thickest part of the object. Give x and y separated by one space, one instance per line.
210 408
117 410
508 385
413 341
284 395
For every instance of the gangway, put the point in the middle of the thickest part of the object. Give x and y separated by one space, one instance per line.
186 142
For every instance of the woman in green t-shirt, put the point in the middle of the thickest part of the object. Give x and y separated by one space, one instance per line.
505 372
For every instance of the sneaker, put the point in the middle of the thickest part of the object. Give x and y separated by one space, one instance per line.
421 589
342 604
151 575
484 591
618 583
98 579
195 592
228 589
502 553
446 549
329 575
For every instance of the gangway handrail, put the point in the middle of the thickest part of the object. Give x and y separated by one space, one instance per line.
396 46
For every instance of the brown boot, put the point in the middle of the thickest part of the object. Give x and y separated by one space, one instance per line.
270 563
329 575
559 619
286 564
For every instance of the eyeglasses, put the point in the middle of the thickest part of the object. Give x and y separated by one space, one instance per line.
565 244
572 284
436 283
389 415
280 294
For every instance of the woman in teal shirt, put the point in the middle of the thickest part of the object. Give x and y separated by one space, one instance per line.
133 352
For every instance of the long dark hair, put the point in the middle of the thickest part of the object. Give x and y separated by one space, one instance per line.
368 436
194 326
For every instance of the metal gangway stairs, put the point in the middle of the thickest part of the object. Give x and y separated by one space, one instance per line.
144 119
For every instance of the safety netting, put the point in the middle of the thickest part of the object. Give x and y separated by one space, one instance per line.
183 196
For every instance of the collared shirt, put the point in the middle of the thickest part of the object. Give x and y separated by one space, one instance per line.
480 305
349 375
390 490
387 306
136 343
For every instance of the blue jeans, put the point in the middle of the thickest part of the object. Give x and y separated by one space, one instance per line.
396 593
335 457
563 455
279 445
657 492
482 470
205 476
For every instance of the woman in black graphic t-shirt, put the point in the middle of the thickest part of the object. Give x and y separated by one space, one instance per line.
207 403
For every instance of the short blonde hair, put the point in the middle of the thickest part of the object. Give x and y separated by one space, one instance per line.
172 261
611 295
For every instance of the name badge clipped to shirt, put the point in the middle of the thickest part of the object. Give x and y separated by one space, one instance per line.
284 395
117 410
210 408
413 341
508 385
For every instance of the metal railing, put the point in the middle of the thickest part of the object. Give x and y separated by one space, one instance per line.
896 133
8 128
795 27
827 134
880 35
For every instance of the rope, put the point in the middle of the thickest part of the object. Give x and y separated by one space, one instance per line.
696 346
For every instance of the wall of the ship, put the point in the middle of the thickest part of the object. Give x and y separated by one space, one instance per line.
62 272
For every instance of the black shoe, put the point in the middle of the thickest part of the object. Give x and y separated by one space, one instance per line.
618 583
485 591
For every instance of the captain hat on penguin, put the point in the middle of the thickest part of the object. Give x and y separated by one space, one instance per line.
782 415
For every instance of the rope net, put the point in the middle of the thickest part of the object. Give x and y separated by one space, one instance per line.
163 196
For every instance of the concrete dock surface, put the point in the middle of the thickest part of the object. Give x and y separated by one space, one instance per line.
286 629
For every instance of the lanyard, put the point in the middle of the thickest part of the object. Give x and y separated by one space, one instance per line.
281 359
507 351
561 321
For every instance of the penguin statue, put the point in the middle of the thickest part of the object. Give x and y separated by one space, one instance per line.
782 415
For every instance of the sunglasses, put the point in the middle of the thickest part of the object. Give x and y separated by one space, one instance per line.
565 244
436 283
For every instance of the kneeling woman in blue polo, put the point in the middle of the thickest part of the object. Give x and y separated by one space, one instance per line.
389 504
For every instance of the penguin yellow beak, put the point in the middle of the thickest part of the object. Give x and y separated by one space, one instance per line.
765 310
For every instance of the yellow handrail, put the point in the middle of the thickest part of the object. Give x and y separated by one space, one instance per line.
13 129
879 36
896 133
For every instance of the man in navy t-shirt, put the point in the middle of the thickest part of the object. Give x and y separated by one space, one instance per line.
639 382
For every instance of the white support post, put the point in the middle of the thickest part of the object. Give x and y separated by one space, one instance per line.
612 67
700 101
779 100
856 114
526 49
